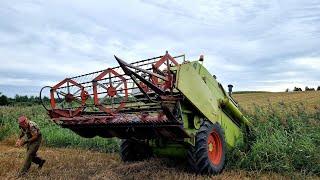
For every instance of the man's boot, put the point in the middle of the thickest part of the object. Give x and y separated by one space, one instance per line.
41 164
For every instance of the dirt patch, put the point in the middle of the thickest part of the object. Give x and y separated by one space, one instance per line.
81 164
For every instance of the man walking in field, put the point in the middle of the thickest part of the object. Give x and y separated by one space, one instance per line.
33 140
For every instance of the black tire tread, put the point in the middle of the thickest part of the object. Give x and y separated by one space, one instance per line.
198 156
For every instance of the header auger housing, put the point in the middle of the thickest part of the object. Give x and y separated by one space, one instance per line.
157 106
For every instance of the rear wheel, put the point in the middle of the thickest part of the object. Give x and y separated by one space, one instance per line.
133 150
208 154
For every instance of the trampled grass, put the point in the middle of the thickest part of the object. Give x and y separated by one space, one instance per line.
69 163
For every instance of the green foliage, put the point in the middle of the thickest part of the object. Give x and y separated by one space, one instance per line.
20 100
53 135
4 100
285 139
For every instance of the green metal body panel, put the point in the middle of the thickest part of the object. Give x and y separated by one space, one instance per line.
193 87
207 99
172 150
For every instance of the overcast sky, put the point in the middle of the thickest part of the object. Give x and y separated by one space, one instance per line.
254 44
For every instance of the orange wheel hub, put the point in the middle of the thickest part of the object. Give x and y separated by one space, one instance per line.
214 148
111 91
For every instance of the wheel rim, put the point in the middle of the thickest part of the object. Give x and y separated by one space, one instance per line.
214 148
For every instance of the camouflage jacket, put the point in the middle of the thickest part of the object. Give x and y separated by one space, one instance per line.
32 129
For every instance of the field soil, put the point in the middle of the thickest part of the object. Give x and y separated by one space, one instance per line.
82 164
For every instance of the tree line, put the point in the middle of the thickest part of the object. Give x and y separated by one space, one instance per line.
305 89
20 100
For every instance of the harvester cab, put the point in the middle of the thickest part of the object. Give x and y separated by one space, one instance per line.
156 106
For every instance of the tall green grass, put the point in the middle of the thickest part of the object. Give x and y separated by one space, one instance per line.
53 135
285 138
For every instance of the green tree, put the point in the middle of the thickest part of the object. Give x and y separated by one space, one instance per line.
3 100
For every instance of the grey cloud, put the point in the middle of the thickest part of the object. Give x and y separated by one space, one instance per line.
252 44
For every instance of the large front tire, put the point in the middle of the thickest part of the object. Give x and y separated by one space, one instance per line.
208 154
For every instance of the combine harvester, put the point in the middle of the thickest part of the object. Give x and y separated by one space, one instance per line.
157 107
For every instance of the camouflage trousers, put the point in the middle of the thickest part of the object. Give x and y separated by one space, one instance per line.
31 155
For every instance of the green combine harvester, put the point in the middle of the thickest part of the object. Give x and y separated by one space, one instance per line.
157 107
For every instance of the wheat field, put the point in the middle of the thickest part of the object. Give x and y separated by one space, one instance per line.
310 99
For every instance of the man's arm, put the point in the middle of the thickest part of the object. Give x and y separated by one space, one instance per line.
32 139
21 134
19 141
